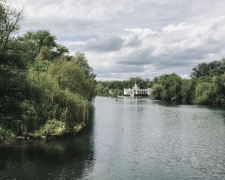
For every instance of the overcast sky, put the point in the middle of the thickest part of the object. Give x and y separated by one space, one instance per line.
128 38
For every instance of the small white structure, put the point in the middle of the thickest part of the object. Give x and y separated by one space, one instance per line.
136 91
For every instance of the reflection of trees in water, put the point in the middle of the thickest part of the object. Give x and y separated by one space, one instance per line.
57 159
166 103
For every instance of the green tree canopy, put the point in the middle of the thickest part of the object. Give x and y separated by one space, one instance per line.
170 85
46 96
209 69
44 54
44 38
82 62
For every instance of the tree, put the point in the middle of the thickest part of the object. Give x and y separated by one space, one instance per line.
44 38
170 87
61 50
82 62
217 68
187 90
209 69
70 76
50 97
9 24
203 93
157 92
14 86
35 41
44 54
201 70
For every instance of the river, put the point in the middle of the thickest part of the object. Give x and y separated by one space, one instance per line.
128 139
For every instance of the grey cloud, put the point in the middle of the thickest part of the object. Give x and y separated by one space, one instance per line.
138 57
132 41
118 69
107 20
104 44
170 58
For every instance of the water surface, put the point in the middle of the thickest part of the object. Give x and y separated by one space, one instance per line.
128 139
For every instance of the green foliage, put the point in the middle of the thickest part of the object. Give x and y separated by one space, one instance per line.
5 133
43 38
44 54
41 45
215 68
116 92
52 128
209 82
157 91
211 92
167 87
41 65
82 62
65 101
9 24
61 50
57 128
203 93
14 87
70 76
187 90
207 85
42 96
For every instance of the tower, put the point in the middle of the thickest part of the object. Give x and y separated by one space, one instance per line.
135 85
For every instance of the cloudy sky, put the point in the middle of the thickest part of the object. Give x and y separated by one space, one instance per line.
128 38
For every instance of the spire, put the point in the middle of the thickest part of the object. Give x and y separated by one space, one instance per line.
135 85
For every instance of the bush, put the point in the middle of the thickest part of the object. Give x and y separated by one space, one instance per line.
5 133
52 128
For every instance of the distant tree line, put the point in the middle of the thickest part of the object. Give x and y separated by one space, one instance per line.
116 88
43 90
206 85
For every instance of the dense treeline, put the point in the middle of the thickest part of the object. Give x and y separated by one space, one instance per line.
206 85
43 91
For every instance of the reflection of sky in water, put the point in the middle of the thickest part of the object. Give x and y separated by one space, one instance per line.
129 139
141 138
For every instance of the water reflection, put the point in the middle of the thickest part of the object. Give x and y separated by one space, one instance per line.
146 139
166 103
58 159
130 139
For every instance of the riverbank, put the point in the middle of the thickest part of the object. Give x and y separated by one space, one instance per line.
43 135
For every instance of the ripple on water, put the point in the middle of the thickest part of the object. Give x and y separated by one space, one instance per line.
129 139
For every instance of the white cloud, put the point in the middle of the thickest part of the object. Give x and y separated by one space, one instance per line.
172 27
134 38
141 32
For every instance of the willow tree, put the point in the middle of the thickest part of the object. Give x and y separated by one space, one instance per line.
167 87
73 77
68 93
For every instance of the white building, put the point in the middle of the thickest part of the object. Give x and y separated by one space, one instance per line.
136 91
